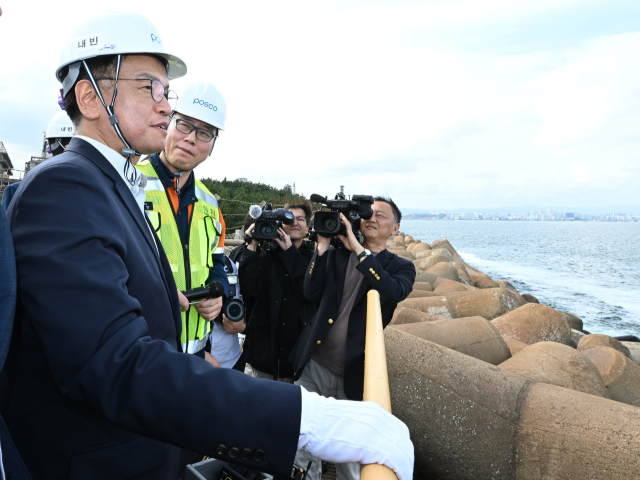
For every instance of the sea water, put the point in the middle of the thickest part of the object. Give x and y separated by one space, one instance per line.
590 269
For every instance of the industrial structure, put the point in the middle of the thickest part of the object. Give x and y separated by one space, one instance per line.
6 169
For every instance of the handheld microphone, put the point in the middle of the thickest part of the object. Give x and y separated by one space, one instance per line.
214 290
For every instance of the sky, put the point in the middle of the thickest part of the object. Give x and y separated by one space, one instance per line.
439 104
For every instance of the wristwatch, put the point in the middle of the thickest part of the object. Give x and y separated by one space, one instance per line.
363 253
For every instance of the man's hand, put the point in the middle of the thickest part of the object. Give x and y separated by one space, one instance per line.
253 245
233 327
283 239
323 244
211 359
184 303
343 431
350 241
209 308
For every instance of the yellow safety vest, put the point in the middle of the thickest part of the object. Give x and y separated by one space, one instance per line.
189 263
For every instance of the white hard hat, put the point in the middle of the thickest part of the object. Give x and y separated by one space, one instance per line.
60 126
113 34
203 102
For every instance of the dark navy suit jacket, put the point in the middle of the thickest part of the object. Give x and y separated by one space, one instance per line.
12 463
387 273
8 194
94 386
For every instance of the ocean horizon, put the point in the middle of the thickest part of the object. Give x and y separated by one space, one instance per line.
589 269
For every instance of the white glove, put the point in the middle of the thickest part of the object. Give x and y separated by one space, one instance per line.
343 431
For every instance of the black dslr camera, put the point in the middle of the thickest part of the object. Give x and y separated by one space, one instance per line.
328 223
268 221
232 308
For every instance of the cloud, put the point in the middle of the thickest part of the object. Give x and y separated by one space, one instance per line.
440 104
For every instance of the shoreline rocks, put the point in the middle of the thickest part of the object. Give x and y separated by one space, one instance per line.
620 374
473 336
557 364
494 384
598 340
487 303
471 420
532 323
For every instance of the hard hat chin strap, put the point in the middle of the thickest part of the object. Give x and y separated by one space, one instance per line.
176 175
56 145
130 173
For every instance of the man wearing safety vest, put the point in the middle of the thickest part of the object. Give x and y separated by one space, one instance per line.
188 221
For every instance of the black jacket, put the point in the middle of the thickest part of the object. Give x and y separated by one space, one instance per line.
275 279
94 386
389 274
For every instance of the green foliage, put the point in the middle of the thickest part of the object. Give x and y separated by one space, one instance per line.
236 196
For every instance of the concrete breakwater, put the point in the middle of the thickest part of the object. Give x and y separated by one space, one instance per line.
493 384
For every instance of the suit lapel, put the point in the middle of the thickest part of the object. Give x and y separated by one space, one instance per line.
139 217
94 156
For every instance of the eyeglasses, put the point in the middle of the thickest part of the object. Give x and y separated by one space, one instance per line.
156 88
201 134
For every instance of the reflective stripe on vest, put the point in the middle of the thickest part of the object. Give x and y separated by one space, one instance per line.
204 235
194 345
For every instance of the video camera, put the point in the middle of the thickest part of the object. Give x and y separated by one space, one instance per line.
232 308
328 223
268 221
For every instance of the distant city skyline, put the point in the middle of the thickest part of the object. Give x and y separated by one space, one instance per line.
535 216
618 209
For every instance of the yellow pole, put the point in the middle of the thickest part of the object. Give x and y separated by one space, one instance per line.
376 379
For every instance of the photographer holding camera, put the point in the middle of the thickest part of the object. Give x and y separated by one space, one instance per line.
275 278
328 358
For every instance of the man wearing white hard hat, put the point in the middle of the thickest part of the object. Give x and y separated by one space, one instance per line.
58 135
96 385
186 216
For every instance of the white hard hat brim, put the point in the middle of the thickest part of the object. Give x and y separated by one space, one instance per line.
117 34
176 68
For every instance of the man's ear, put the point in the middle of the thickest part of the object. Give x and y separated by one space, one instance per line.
88 102
396 229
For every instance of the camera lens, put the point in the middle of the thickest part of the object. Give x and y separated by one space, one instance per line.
234 310
266 230
327 222
330 224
